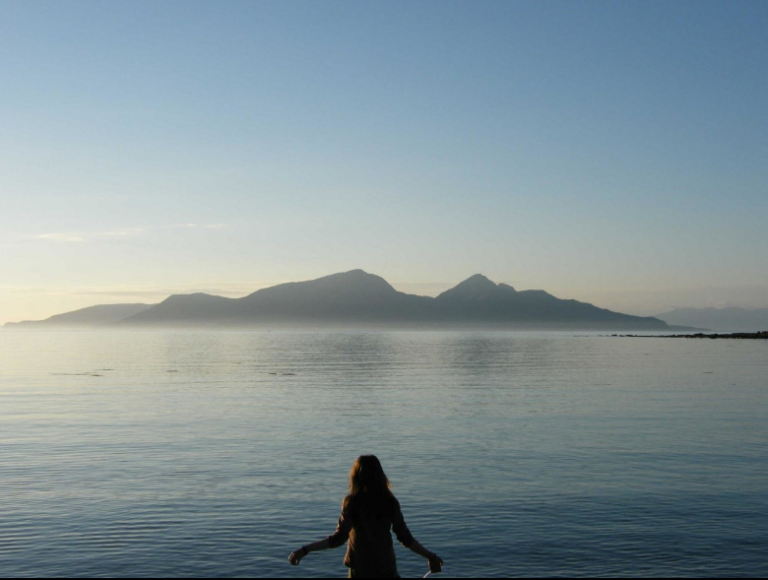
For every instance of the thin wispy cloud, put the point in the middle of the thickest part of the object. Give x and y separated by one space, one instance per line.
200 226
78 237
83 237
64 238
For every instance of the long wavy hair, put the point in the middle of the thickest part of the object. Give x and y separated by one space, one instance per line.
367 476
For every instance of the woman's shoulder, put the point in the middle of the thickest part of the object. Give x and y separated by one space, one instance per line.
348 502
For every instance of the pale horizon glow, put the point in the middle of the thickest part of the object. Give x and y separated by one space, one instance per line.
612 153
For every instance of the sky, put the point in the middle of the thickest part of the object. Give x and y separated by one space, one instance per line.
612 152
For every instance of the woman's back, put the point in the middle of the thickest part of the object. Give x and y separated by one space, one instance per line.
367 522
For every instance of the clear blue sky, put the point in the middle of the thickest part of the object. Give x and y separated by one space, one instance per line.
614 152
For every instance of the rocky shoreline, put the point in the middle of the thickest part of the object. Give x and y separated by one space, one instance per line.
737 336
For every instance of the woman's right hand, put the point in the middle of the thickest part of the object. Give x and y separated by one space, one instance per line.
435 564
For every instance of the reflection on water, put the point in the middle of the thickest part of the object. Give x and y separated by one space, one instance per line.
217 453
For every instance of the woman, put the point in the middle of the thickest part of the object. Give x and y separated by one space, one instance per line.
367 515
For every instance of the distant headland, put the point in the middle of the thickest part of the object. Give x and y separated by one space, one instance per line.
734 336
359 299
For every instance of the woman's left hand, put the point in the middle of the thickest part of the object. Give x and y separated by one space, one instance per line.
296 556
435 564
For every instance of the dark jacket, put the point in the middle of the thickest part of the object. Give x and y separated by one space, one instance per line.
367 522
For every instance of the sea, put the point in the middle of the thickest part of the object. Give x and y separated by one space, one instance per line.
217 453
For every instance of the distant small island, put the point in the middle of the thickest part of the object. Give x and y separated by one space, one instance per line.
721 320
735 336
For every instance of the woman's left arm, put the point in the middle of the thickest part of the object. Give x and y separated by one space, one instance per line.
406 539
435 562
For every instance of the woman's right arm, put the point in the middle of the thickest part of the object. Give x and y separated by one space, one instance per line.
296 556
338 538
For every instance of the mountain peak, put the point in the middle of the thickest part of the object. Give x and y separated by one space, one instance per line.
479 279
355 279
474 287
356 285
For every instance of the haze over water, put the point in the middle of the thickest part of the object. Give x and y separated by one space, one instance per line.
525 454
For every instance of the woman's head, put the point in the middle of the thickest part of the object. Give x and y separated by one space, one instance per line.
367 475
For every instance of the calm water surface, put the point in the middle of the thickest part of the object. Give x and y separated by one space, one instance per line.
217 453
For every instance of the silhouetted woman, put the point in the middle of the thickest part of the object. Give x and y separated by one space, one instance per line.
368 514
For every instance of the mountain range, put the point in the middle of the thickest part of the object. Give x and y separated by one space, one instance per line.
359 299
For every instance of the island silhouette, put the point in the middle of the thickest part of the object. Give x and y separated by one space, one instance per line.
358 299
